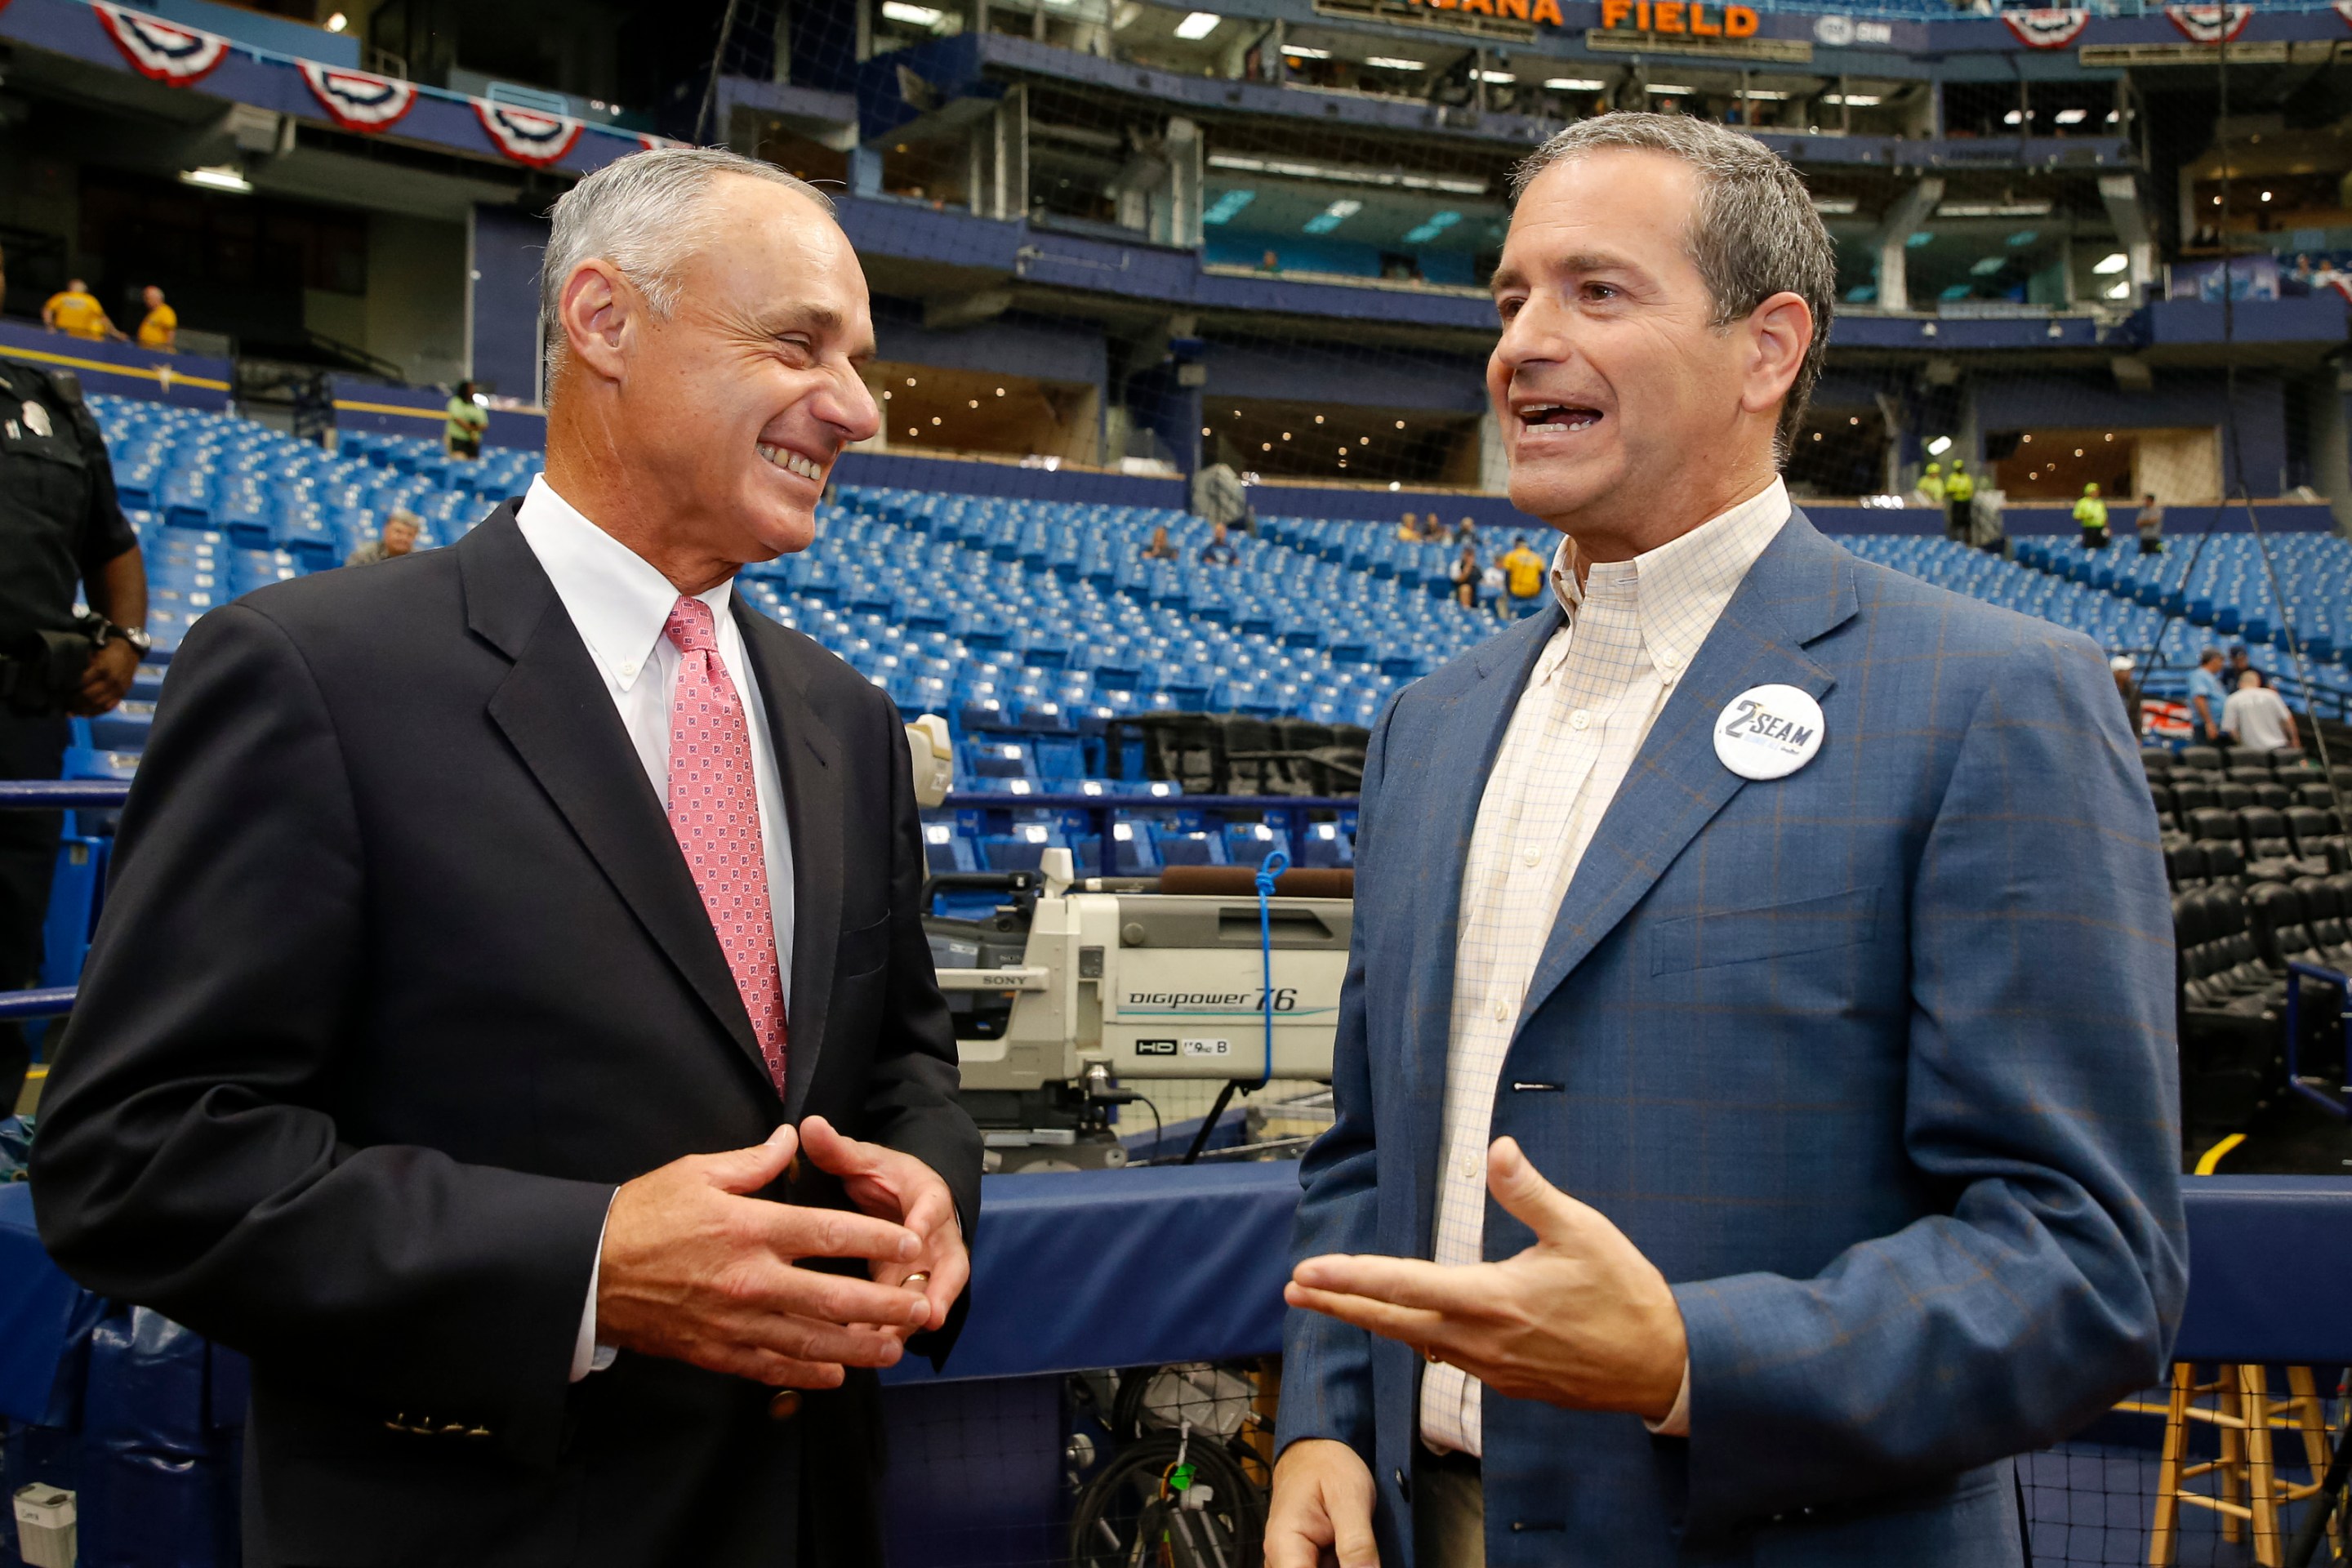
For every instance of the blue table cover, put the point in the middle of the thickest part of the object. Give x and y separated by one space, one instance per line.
1132 1267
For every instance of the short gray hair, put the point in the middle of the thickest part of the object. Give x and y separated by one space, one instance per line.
646 214
1755 235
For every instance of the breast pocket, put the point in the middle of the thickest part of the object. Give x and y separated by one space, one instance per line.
863 950
1718 937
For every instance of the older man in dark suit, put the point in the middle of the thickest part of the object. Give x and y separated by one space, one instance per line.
513 1024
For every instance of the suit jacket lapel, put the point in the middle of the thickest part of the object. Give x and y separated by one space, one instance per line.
1479 715
555 711
1800 589
808 763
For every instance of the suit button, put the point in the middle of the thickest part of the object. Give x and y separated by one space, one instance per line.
784 1405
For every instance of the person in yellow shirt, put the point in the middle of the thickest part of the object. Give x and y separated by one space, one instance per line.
1523 575
2091 512
1931 484
75 311
462 435
161 327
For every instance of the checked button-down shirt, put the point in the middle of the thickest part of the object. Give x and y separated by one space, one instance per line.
1632 628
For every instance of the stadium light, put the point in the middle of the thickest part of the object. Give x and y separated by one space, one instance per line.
1500 79
1332 216
1339 174
1301 52
2072 116
1574 84
1939 446
1393 63
338 22
1854 100
913 16
1198 25
218 177
1666 90
1836 206
2115 262
2122 291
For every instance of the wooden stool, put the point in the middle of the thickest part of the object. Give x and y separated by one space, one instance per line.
2245 1416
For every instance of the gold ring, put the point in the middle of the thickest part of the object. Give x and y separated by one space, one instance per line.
916 1279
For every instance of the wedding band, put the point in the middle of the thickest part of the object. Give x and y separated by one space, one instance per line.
916 1279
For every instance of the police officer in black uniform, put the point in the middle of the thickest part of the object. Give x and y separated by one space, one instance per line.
60 527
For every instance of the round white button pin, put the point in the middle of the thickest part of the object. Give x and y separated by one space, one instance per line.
1767 731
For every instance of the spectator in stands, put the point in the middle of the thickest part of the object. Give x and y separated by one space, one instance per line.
2207 695
1409 530
398 538
75 311
1523 572
2257 718
1493 584
2241 663
61 531
2149 525
513 960
1219 551
1159 547
1619 886
2127 687
160 328
1465 578
1219 495
2091 517
462 431
1466 531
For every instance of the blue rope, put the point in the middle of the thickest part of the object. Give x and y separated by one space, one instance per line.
1272 867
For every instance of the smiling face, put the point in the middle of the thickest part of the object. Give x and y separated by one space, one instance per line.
722 420
1625 410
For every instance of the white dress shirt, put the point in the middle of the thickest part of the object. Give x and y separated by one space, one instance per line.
620 604
1632 628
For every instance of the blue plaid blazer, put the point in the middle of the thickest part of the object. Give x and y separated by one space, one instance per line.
1875 1062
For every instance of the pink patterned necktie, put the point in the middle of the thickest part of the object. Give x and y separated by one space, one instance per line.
714 809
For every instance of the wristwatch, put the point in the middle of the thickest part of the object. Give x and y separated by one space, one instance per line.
139 641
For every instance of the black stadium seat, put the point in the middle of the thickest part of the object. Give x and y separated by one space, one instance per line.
2184 864
2317 836
2190 791
2160 795
2155 762
2213 823
2249 773
2232 795
2225 863
2284 758
2316 794
2198 759
2230 1009
2275 796
2322 916
2271 851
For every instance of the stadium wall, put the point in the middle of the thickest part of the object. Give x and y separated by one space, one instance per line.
503 250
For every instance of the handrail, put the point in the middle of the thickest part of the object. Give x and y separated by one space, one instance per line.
62 794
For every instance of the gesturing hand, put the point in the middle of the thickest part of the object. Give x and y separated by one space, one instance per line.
1580 1319
694 1271
894 1186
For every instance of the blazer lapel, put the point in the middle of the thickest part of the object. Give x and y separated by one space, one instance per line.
555 711
1475 720
808 759
1800 589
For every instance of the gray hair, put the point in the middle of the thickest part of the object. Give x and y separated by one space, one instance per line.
1755 234
646 214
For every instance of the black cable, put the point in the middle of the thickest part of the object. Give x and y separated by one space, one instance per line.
1156 1133
2323 1502
1209 1123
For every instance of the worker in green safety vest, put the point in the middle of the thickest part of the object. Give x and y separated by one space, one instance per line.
2091 512
1959 496
1931 483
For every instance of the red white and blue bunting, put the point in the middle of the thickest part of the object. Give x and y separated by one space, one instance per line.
2046 29
356 100
159 50
647 142
528 137
2209 24
2343 9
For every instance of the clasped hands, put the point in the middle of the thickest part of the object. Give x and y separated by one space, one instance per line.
695 1269
1580 1319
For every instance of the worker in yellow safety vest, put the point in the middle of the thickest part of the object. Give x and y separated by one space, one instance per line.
2091 512
1959 496
1931 484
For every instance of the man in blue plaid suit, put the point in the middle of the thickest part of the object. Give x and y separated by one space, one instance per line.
1754 1076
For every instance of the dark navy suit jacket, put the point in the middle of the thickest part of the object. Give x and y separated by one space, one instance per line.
1874 1061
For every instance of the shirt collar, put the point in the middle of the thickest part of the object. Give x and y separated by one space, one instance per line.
1684 585
619 601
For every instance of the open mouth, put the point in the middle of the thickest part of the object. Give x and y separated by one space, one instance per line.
792 462
1565 417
